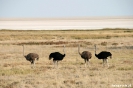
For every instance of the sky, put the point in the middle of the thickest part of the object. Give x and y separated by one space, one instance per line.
64 8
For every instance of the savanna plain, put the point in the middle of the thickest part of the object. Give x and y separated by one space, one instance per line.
16 71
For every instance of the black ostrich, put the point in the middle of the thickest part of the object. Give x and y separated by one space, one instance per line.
57 57
103 55
31 57
86 55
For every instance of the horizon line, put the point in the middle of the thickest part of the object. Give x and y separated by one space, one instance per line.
64 18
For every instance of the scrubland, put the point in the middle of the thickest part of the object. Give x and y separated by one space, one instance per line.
16 72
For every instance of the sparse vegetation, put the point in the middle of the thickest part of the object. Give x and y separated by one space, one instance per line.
16 72
64 34
104 43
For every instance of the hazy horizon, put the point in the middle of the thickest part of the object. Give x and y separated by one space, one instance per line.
67 24
69 18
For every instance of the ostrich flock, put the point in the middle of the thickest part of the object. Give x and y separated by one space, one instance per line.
57 56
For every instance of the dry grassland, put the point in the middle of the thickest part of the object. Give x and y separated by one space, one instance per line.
16 72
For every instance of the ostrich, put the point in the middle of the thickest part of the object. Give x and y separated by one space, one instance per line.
103 55
57 57
31 57
86 55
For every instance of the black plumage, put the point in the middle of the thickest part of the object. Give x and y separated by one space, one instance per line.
103 55
57 56
86 55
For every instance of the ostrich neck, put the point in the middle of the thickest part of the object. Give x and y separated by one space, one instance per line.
23 51
96 55
64 50
79 53
64 55
95 50
79 50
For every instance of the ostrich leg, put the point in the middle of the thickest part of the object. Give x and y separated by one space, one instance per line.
107 62
57 64
33 64
54 64
103 62
88 62
85 63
